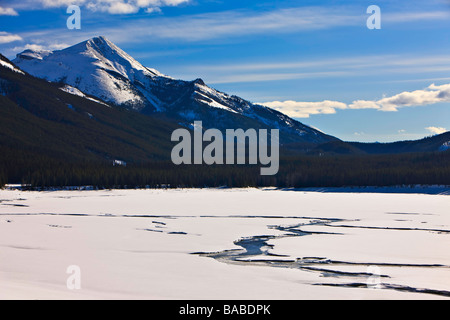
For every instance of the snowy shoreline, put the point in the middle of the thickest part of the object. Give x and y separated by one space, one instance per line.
224 244
406 189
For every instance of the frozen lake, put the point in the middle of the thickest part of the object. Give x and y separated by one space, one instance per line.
224 244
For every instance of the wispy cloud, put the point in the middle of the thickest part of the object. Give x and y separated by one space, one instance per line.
431 95
8 12
208 26
238 23
436 130
6 37
356 66
204 27
132 6
231 24
354 62
263 77
297 109
109 6
37 47
401 17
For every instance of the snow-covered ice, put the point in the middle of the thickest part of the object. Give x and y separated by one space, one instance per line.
224 244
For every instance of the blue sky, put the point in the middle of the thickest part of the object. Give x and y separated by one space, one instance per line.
314 60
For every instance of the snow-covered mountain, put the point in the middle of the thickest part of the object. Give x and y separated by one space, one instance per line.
97 67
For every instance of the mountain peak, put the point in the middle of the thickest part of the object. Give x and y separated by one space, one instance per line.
200 82
96 67
102 43
101 48
99 38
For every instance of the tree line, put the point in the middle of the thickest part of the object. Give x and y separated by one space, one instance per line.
41 171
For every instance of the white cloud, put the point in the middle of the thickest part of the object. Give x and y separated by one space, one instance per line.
60 3
8 12
230 24
7 37
415 16
436 130
431 95
34 47
114 6
370 66
262 77
153 10
122 8
363 104
208 26
39 47
305 109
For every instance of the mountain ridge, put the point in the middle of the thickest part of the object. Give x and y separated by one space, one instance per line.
99 68
429 144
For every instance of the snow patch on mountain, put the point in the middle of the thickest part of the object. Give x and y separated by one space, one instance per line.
211 97
76 92
72 90
10 66
445 146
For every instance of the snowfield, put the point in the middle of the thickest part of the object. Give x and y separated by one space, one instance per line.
224 244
